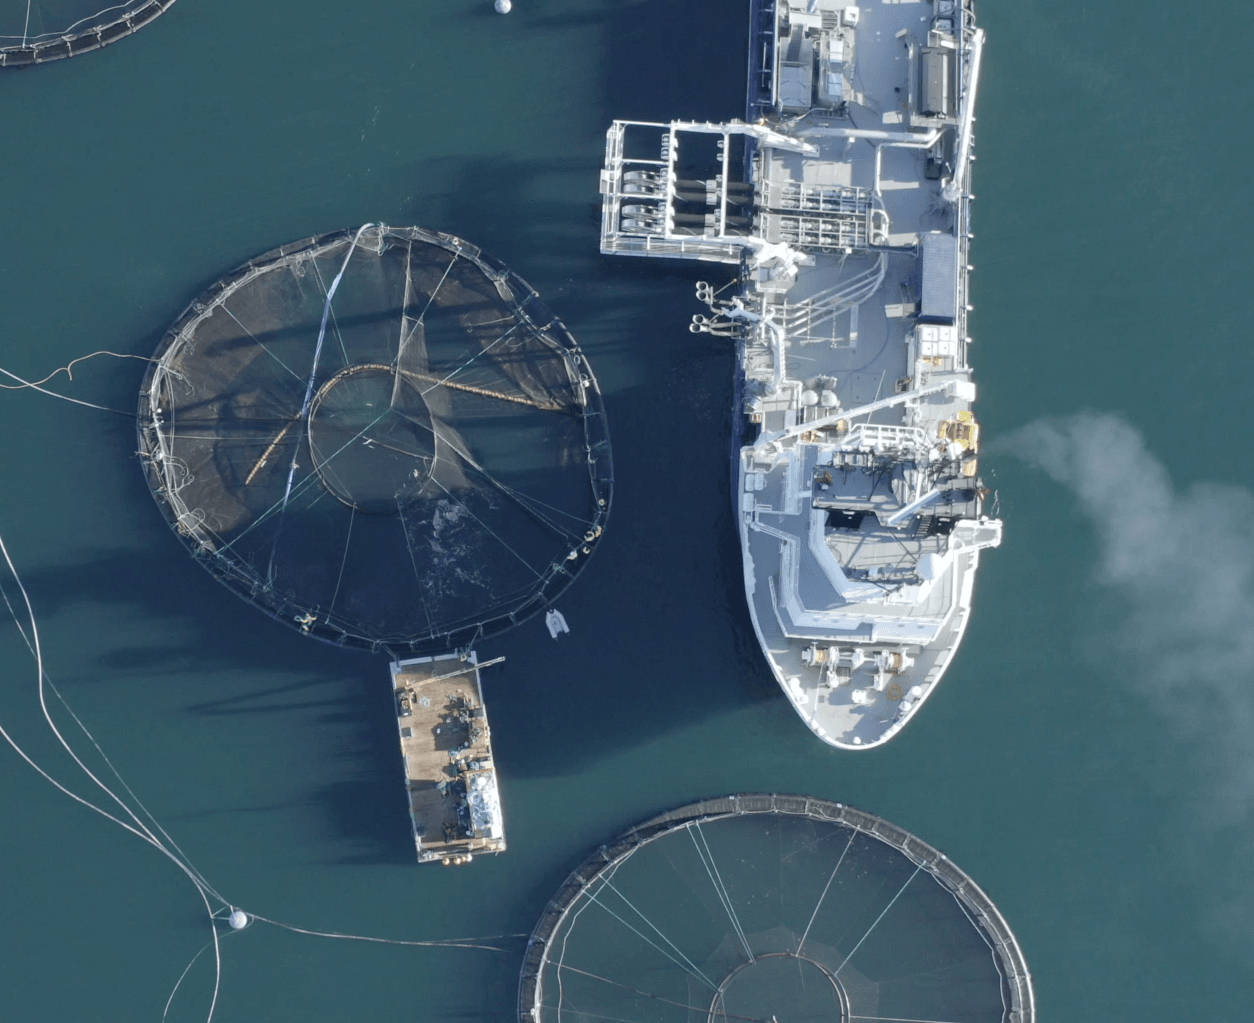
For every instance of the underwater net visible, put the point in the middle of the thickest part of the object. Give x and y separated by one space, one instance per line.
772 909
382 437
37 31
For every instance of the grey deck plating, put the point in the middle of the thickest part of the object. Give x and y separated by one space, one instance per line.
844 200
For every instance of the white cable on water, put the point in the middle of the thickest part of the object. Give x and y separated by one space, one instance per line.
91 738
610 884
442 943
129 791
63 397
104 756
68 369
139 830
187 969
143 832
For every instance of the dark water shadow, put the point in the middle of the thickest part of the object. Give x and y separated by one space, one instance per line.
346 691
661 637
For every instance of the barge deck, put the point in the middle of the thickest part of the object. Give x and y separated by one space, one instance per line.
446 745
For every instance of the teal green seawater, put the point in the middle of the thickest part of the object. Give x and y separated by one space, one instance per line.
1088 759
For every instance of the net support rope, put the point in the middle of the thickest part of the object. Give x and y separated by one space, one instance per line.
313 373
312 476
717 880
257 341
823 895
69 29
660 998
335 324
883 913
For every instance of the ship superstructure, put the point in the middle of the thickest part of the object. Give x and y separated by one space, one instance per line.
843 200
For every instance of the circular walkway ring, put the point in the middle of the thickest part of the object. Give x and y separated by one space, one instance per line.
1018 996
75 41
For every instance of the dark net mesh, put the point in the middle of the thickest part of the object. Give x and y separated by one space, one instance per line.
36 31
382 437
777 917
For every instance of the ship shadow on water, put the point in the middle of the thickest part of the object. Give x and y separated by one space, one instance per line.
661 636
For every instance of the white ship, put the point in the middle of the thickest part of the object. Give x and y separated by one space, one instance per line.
844 200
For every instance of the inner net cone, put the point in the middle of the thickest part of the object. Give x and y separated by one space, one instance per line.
382 437
400 445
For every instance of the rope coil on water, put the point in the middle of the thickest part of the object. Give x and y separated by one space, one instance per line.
24 384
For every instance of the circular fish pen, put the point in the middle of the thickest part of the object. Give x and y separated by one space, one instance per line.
771 909
37 31
381 437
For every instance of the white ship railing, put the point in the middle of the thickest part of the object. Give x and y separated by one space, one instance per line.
656 236
962 155
880 436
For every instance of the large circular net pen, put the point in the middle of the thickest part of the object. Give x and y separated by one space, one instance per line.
772 909
37 31
380 436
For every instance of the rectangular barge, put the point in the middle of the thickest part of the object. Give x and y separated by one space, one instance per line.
450 776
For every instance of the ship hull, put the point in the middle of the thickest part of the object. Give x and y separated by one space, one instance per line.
843 201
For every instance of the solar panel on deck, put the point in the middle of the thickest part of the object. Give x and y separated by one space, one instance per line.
940 278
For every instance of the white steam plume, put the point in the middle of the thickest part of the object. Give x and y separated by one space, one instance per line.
1181 565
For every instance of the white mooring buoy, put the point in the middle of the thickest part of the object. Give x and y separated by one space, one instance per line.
503 6
238 919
